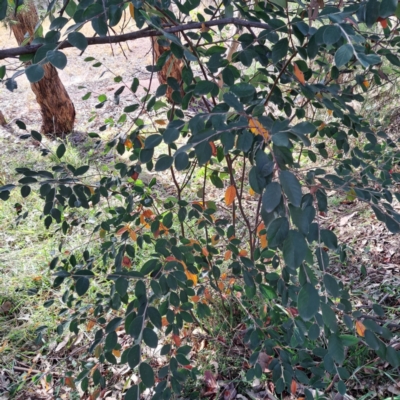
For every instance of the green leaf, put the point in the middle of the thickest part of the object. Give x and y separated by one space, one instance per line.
331 285
121 286
294 249
372 340
203 87
291 187
131 108
2 71
113 324
78 40
132 393
371 12
134 356
3 9
57 58
349 340
243 89
181 161
336 349
155 317
280 50
308 301
277 231
82 286
34 73
268 292
61 149
387 8
25 191
163 163
332 34
36 135
152 141
146 374
343 55
329 317
271 197
150 338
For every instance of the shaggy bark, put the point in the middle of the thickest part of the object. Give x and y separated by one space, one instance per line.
57 109
172 68
2 119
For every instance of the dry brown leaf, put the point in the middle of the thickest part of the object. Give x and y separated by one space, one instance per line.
213 148
117 353
6 307
3 346
230 195
298 74
160 121
126 262
360 328
122 230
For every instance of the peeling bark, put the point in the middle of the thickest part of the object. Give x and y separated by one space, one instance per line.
172 67
56 107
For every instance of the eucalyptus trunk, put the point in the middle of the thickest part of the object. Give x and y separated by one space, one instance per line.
56 107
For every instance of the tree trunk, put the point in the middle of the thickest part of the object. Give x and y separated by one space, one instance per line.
57 109
172 67
2 119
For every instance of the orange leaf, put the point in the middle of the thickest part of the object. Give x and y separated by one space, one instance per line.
221 286
205 252
132 10
322 126
117 353
160 121
366 84
195 299
260 228
263 241
214 240
252 192
383 23
213 148
177 340
293 387
257 128
243 253
128 143
224 276
135 176
330 112
230 195
132 234
360 328
298 74
122 230
164 321
126 261
191 277
228 255
90 325
207 294
231 281
70 382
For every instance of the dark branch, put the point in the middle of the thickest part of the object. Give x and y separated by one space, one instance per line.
18 51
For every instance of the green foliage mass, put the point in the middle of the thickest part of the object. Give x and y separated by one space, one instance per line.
284 100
